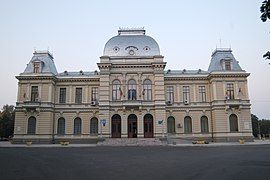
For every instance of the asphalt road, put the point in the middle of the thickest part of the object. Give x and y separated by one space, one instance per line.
234 162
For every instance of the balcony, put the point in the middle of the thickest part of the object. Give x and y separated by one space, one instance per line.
31 105
132 104
233 103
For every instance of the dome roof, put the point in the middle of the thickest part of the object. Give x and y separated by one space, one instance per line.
131 42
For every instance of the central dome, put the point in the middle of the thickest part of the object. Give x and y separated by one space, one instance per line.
131 42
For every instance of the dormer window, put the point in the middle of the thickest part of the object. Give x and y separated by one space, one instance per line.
228 66
37 66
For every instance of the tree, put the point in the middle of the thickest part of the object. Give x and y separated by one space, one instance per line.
7 121
255 125
265 10
261 127
265 128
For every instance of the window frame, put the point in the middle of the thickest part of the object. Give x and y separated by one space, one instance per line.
170 93
186 94
233 123
31 128
94 94
37 67
171 125
62 95
77 130
147 90
61 128
187 124
132 90
78 95
204 124
202 94
93 126
34 93
228 65
230 91
116 90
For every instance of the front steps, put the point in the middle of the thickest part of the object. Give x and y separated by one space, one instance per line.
131 142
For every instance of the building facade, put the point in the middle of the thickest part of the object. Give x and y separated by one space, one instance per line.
132 96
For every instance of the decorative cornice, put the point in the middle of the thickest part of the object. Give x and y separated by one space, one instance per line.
78 79
40 77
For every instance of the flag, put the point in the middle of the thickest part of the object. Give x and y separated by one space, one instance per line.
240 90
121 93
227 95
143 92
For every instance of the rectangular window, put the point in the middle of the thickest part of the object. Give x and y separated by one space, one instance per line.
202 94
36 67
170 95
186 94
94 94
62 95
78 96
116 92
34 93
230 91
228 65
147 92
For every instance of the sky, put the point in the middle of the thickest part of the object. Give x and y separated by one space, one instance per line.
186 31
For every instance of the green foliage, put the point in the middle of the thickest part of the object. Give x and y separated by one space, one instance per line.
261 127
255 125
7 121
265 128
265 10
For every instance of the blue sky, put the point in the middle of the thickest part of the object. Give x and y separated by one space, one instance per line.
187 32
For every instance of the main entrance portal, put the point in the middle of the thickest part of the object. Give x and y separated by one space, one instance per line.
148 126
116 126
132 126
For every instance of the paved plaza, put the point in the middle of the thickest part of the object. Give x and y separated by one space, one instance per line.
148 162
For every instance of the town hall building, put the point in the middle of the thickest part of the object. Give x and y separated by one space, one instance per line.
132 96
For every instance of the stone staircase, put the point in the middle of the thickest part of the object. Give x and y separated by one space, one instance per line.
131 142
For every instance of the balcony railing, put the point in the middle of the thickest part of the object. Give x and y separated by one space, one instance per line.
132 102
31 104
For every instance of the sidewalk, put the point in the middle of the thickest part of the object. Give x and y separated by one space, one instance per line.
7 144
256 142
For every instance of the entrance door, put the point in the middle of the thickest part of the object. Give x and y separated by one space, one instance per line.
148 126
116 126
132 126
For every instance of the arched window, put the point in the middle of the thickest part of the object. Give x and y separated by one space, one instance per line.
171 125
116 90
77 126
187 124
147 90
94 126
233 123
31 129
132 93
204 124
61 126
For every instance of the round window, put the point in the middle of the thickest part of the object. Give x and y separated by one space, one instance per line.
116 49
146 48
